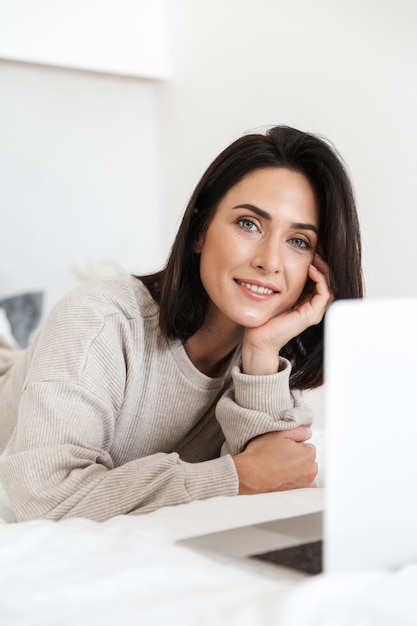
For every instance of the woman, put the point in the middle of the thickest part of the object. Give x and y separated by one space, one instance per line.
186 384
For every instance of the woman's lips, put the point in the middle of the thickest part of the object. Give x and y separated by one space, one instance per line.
256 288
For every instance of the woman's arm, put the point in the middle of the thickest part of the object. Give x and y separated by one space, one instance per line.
261 404
68 454
255 405
59 466
265 426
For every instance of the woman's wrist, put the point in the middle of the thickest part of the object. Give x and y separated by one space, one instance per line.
260 364
244 475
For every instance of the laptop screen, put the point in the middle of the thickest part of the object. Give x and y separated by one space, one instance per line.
370 434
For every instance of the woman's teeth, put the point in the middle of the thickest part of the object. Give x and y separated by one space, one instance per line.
256 288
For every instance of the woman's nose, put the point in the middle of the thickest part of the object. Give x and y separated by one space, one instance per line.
268 257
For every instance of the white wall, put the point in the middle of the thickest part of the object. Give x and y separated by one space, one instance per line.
77 183
124 37
78 176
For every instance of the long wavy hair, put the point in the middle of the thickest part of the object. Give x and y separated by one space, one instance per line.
178 290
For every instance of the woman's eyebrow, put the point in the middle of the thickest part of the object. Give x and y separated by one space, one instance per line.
268 216
302 226
254 209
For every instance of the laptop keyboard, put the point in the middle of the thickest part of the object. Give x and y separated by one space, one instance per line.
306 557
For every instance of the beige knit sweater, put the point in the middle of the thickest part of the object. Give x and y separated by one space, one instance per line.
104 416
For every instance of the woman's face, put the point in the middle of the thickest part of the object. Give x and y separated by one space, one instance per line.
258 246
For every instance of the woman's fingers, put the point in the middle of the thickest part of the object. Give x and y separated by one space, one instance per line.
275 462
320 264
319 274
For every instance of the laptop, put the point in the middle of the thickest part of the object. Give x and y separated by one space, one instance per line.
370 519
366 516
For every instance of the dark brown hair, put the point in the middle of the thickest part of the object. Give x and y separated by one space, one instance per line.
178 289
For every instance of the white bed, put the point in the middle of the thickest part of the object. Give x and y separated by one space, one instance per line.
131 570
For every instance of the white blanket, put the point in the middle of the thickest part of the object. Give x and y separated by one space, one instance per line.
83 573
131 571
377 598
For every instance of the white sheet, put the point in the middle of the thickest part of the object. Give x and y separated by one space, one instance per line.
374 598
130 571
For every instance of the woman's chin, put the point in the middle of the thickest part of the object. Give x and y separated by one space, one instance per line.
252 320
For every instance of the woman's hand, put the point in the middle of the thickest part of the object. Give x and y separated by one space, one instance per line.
261 345
277 461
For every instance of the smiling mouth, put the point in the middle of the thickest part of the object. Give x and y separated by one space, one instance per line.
256 288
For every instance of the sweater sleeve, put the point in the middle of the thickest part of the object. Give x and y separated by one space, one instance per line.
255 405
58 463
60 466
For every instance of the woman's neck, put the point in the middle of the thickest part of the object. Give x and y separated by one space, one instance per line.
210 347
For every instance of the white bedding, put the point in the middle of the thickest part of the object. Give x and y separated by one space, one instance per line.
374 598
131 571
84 573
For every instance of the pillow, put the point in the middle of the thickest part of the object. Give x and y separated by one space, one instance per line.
6 337
20 315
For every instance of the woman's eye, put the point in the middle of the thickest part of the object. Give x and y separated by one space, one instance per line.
247 224
300 243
